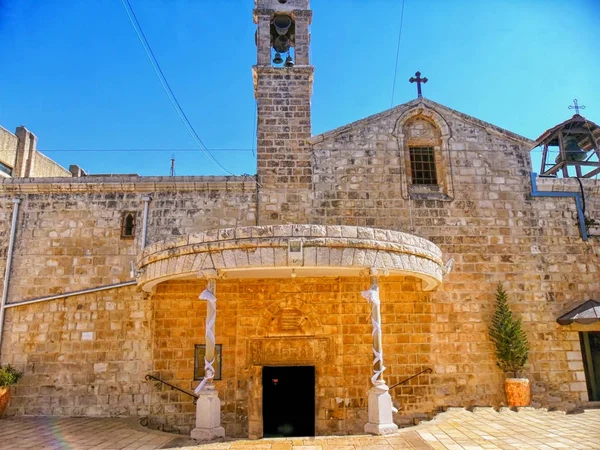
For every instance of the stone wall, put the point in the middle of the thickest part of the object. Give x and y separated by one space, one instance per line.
249 318
88 354
46 167
69 235
179 213
491 226
67 242
283 151
82 356
69 238
8 147
18 152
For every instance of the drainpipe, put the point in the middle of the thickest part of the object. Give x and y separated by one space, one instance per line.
71 294
11 245
575 195
147 199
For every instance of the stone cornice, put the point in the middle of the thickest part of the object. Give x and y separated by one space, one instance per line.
264 251
125 183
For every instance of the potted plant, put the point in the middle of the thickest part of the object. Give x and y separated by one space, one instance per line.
512 350
8 376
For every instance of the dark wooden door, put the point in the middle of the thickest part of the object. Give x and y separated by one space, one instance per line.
288 401
590 348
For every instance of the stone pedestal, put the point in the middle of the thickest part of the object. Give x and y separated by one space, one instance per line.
208 416
381 420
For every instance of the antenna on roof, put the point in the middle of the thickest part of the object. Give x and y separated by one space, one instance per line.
173 165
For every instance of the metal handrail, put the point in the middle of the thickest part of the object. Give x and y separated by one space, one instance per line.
172 386
414 376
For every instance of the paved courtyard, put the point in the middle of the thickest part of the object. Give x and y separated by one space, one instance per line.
484 428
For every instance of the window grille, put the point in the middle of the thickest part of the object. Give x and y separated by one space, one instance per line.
422 165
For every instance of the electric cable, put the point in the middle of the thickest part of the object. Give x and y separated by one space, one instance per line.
397 55
246 150
165 84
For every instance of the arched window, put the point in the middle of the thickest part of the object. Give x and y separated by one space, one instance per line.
423 140
423 136
128 225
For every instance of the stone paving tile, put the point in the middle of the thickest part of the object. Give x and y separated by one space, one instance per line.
456 429
76 433
485 428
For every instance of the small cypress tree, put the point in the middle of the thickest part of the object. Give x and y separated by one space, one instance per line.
512 347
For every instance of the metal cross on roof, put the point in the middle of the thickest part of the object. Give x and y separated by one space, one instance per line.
577 107
418 80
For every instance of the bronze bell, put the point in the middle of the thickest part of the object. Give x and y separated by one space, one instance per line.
574 153
281 44
289 62
278 59
282 24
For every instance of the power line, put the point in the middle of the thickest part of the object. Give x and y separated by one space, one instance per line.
165 84
397 54
242 150
149 150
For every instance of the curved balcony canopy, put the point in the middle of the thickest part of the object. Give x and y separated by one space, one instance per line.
290 251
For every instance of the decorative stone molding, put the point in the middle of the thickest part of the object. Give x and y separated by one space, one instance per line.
293 351
125 183
264 251
289 317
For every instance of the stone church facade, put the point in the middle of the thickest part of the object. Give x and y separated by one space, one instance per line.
400 192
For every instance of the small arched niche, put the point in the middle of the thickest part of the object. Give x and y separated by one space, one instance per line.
128 225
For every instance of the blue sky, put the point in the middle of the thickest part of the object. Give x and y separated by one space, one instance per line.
74 72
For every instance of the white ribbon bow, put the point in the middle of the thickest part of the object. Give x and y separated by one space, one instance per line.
209 370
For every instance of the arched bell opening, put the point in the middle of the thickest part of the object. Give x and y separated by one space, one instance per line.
570 149
283 36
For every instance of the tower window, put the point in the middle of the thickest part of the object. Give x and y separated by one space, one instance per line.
128 225
283 32
5 169
422 165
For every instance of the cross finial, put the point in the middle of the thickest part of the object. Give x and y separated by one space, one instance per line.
418 80
576 106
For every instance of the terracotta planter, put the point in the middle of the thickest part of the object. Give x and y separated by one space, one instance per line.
4 399
518 391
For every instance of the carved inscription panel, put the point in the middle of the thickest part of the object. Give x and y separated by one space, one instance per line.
289 321
292 350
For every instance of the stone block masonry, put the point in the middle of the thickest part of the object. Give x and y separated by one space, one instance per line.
251 311
283 150
88 354
19 157
82 356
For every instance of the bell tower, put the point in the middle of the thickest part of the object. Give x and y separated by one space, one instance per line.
283 87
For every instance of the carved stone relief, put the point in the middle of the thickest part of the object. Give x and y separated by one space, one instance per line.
289 317
421 129
291 351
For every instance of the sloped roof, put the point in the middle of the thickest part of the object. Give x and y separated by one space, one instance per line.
399 109
586 313
550 136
